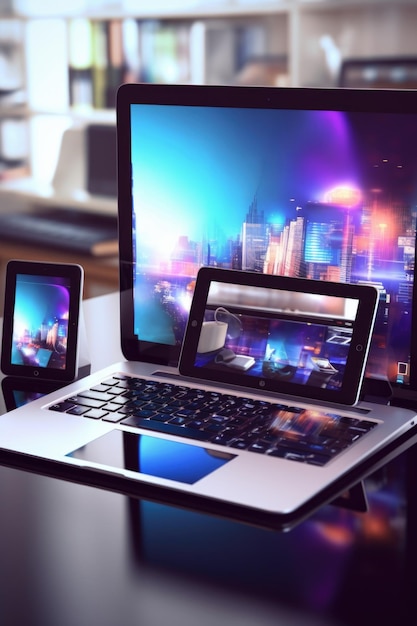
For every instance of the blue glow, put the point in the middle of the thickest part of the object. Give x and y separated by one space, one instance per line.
249 189
40 321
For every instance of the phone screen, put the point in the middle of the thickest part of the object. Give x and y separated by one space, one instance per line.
40 321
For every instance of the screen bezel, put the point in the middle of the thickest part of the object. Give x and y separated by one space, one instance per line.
346 100
74 275
348 393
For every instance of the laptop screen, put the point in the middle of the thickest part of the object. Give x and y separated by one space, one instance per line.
319 184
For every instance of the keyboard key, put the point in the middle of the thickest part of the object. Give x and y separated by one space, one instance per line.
161 417
214 428
178 420
94 404
62 407
95 414
114 417
97 395
240 444
78 410
259 446
197 424
223 439
105 388
144 414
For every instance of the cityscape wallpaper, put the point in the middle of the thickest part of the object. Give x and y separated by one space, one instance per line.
40 321
325 195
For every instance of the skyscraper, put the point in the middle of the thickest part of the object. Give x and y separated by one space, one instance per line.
254 239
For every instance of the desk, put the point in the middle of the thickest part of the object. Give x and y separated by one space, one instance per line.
75 555
101 274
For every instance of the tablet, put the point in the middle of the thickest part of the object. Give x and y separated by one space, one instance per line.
295 336
41 315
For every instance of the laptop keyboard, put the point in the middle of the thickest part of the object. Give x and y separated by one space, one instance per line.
305 435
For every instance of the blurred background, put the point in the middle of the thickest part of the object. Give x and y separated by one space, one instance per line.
61 63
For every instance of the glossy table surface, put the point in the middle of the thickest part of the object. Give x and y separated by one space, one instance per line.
73 554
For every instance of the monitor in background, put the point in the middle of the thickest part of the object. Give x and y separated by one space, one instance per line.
101 164
268 181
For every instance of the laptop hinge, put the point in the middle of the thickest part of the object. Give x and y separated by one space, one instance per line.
378 391
354 499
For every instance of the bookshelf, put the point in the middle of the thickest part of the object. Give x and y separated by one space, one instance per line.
14 145
61 62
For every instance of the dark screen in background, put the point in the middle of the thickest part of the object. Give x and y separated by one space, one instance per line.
101 160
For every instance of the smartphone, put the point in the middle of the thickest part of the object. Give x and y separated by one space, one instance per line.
40 322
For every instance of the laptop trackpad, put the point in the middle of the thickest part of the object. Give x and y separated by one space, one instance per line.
163 458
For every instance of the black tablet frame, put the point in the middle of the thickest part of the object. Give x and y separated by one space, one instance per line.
366 295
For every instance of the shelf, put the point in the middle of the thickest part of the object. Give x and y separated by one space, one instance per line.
185 10
166 10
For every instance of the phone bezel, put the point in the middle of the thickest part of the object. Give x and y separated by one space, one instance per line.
74 274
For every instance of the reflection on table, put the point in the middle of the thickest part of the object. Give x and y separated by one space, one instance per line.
77 554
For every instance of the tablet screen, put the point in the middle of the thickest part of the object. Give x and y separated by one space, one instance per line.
300 337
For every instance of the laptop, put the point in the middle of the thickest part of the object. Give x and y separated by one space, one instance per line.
306 186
